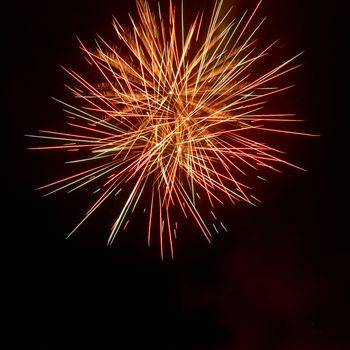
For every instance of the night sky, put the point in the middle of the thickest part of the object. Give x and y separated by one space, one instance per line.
279 279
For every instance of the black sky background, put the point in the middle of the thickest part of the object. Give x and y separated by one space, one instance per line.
278 280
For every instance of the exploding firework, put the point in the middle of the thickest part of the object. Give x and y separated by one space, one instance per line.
174 120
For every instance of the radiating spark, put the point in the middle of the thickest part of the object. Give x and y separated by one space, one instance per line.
175 118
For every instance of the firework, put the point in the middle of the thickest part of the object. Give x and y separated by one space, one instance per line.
174 119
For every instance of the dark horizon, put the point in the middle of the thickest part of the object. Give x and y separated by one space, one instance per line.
277 280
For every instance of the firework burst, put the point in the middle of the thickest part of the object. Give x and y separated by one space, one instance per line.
174 119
